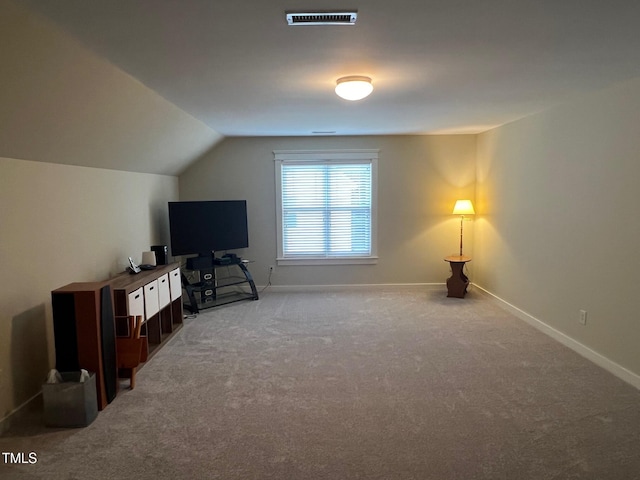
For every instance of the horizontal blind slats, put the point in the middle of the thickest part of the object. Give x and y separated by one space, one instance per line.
326 209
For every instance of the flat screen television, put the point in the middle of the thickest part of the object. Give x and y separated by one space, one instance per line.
203 227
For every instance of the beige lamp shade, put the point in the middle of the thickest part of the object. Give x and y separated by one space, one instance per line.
463 207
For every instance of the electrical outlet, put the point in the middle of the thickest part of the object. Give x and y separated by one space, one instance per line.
583 317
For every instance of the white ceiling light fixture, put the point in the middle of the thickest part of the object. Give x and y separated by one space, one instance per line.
354 87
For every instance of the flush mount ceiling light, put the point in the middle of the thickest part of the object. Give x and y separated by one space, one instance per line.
353 87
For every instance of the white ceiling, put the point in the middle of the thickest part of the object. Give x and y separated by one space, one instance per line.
438 66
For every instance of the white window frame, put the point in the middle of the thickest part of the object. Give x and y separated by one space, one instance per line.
326 157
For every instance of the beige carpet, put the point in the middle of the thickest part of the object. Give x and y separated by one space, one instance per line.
387 384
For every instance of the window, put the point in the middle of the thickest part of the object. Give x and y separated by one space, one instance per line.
326 206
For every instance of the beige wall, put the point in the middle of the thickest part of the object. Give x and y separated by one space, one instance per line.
419 179
557 229
64 224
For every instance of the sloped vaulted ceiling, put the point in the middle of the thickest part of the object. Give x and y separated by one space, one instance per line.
453 66
148 85
61 103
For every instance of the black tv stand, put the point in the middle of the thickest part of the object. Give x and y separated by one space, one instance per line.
221 280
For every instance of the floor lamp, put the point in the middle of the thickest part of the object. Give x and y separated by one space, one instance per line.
462 208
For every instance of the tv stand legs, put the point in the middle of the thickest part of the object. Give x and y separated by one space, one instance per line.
250 281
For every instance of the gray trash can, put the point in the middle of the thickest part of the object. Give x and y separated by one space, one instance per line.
71 403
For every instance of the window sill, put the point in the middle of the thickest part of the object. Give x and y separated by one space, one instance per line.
327 261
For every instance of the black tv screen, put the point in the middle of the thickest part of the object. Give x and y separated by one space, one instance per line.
203 227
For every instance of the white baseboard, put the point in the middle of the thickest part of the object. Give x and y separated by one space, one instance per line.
360 286
595 357
17 413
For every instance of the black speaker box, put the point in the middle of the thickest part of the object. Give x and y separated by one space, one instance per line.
108 331
162 254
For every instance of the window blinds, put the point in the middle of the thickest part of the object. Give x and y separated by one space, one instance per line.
326 209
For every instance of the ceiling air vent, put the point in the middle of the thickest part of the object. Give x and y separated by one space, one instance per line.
321 18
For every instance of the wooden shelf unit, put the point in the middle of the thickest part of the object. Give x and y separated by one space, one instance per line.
89 316
157 296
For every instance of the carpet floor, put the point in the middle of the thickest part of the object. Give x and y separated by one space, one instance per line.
391 384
